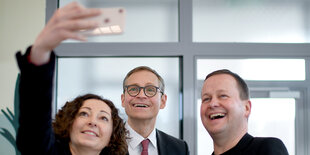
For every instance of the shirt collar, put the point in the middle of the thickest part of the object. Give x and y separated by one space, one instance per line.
135 138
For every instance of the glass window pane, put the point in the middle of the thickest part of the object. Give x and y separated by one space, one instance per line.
255 69
204 140
270 21
104 76
264 121
146 21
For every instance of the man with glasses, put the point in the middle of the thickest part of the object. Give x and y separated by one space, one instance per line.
142 98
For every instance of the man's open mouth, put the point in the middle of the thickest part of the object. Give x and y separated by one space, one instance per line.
217 116
141 105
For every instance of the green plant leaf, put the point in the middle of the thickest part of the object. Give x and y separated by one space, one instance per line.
16 103
5 133
11 118
8 115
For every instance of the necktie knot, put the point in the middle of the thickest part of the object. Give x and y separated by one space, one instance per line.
145 144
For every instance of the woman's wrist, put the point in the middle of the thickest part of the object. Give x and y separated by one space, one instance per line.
39 56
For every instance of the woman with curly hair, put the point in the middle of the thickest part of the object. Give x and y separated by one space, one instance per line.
81 109
87 125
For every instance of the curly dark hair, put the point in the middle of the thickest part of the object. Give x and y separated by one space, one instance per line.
67 114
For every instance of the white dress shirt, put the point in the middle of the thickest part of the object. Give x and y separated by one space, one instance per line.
135 139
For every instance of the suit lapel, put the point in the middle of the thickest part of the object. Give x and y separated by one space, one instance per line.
161 143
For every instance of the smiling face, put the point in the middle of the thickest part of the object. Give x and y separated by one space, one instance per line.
222 111
93 125
142 107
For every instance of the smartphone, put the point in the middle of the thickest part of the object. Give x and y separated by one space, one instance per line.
112 21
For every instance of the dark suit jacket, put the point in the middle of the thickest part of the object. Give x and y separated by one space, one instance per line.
168 145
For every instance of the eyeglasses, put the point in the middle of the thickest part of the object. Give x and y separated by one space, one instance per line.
149 91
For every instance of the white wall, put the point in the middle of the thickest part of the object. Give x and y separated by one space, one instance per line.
20 23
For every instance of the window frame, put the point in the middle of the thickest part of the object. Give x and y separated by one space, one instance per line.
189 51
300 120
